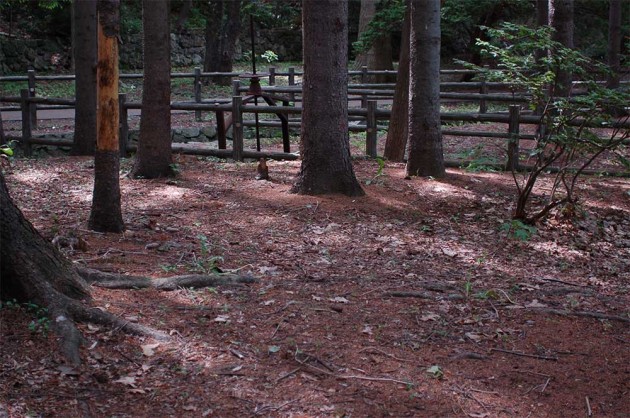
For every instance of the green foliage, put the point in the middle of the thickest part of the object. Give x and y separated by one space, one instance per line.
389 14
205 263
518 230
435 372
7 149
379 171
40 322
530 62
269 56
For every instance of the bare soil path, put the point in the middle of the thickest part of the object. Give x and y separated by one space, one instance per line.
410 301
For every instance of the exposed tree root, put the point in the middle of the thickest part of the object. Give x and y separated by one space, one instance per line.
118 281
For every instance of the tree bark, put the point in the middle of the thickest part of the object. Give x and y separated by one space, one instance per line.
184 14
399 119
425 156
561 19
223 26
614 43
84 47
33 270
154 156
106 213
324 147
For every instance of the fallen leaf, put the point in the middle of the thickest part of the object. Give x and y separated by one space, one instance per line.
127 380
273 348
449 252
68 371
137 391
339 299
222 318
535 304
149 349
430 316
474 336
367 330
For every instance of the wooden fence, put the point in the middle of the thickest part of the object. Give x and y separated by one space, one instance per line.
234 108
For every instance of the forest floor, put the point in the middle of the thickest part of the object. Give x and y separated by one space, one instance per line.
414 300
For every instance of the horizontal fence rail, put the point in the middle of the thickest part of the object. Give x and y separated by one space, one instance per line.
229 112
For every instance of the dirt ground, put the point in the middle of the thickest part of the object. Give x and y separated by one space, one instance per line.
411 301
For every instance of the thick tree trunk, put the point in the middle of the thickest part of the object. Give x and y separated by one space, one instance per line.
106 213
561 19
324 147
84 47
33 270
425 156
154 157
223 26
399 119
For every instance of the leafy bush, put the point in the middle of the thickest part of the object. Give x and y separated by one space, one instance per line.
574 130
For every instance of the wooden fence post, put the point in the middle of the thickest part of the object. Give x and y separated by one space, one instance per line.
237 129
25 95
292 82
236 85
197 92
221 129
272 76
512 163
364 80
32 91
371 131
483 104
123 125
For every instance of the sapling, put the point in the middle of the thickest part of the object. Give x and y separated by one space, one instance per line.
573 131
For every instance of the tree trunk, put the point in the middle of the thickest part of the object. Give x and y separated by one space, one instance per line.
561 19
2 138
425 135
154 157
184 14
399 119
379 56
84 55
33 270
614 43
106 213
223 26
324 147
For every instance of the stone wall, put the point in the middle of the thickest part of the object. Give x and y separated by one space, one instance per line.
187 49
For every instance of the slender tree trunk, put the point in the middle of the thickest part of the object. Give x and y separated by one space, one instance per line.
425 135
324 147
184 13
106 213
84 50
379 56
2 138
561 19
154 157
399 119
223 26
614 43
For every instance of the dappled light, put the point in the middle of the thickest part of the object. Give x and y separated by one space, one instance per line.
408 293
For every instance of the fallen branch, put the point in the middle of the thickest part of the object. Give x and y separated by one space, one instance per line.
596 315
120 281
516 353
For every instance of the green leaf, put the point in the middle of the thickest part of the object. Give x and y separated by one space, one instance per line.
435 372
273 349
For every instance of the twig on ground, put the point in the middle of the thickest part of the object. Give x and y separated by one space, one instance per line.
561 281
284 376
516 353
383 353
589 411
506 296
